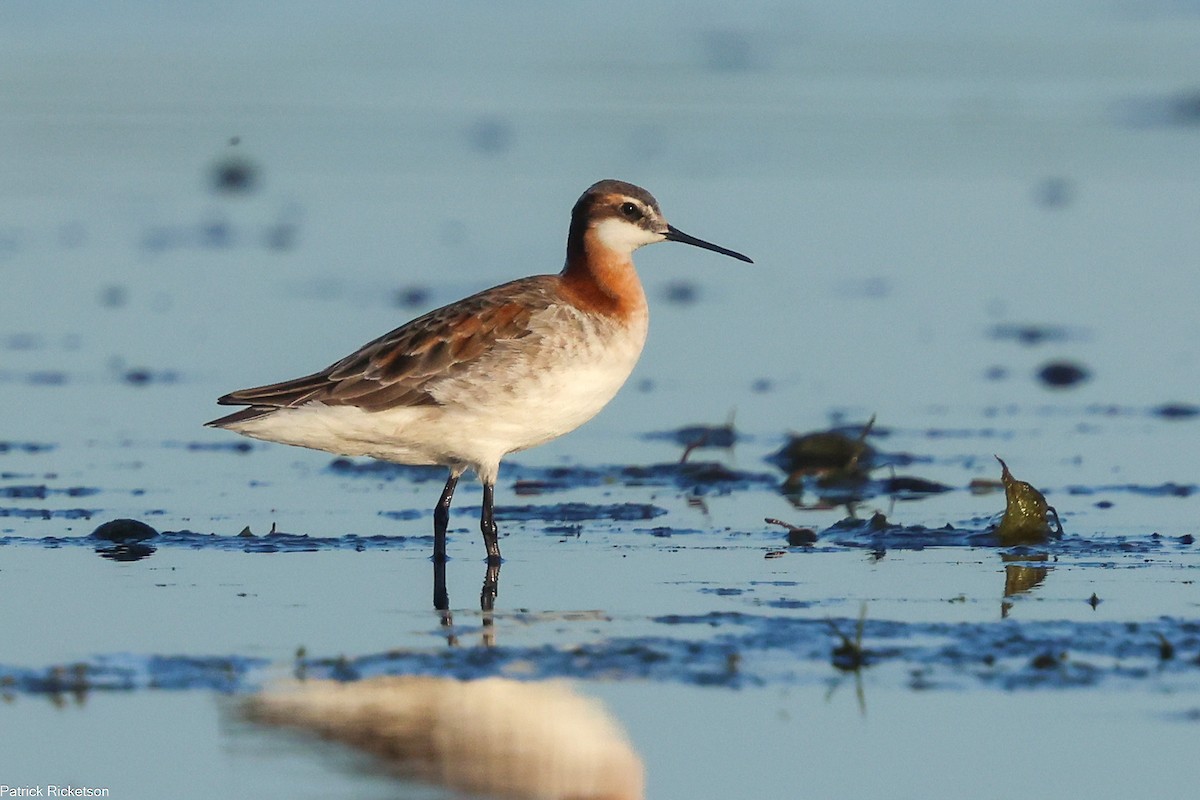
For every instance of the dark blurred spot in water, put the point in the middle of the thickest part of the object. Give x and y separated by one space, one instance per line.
273 542
1184 108
490 135
575 512
726 50
114 295
722 436
235 446
384 470
128 672
1176 411
47 378
23 491
215 232
234 175
1062 374
281 235
1054 192
695 476
1181 108
762 385
666 531
25 447
126 551
403 514
48 513
413 297
698 649
996 373
797 536
41 491
906 487
157 238
141 376
681 292
1169 489
23 341
1030 334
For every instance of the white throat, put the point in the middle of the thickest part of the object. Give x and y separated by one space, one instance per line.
624 237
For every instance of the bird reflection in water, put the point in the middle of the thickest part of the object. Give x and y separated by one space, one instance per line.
493 737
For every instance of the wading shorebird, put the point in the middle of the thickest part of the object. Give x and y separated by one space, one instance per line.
501 371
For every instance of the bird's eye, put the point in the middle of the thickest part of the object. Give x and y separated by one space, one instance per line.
630 211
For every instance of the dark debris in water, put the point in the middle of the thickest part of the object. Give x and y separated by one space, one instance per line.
552 513
1063 374
25 447
126 672
577 512
42 491
725 649
878 533
123 530
386 471
1169 489
47 513
235 446
835 467
129 540
837 453
1176 411
695 437
526 480
145 376
233 175
1031 334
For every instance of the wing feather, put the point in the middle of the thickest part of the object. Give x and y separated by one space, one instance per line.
400 367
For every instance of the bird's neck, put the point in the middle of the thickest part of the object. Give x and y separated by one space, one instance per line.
601 280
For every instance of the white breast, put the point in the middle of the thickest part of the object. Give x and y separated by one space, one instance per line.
532 390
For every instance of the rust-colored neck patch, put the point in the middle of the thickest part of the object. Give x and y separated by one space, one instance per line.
599 281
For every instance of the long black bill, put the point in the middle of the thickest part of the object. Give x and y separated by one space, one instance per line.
676 235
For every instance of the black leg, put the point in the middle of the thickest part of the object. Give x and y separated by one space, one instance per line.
491 578
441 520
487 524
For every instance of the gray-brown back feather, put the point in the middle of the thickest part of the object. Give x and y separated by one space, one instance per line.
400 367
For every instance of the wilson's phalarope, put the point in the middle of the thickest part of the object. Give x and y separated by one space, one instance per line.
503 370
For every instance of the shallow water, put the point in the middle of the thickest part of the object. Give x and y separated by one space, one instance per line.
940 200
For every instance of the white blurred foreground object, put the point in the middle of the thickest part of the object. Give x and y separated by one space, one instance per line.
494 736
